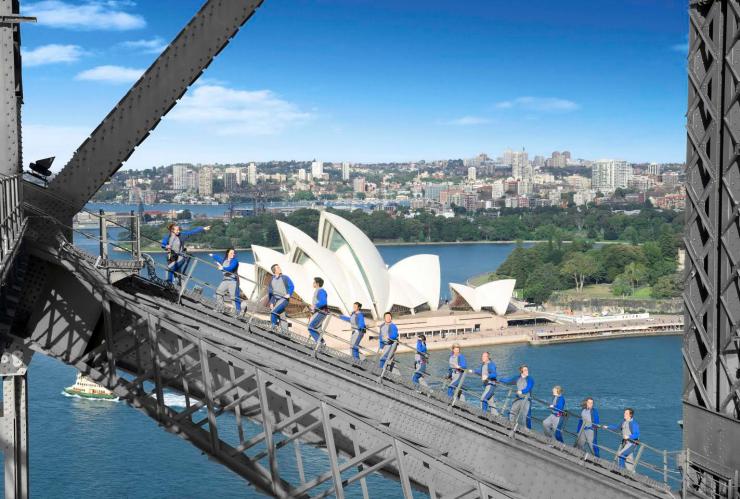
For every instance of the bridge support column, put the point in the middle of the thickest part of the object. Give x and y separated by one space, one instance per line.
14 435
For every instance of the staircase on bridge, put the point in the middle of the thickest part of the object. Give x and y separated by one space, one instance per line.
134 335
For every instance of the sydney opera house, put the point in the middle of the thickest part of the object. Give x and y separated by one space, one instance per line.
353 270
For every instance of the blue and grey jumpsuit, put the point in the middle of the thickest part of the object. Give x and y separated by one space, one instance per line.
587 431
279 292
457 367
175 247
487 373
389 339
357 321
521 408
230 284
553 423
321 309
421 358
630 440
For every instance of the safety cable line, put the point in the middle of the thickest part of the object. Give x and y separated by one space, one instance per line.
460 390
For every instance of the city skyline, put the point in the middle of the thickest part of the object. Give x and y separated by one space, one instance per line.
371 82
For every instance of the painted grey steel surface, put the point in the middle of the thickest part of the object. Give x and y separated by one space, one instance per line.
156 92
712 238
66 308
14 435
167 344
11 89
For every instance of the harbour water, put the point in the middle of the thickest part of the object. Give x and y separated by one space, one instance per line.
91 449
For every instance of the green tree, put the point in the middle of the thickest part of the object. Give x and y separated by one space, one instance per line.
304 196
634 273
580 267
620 287
630 234
667 286
184 215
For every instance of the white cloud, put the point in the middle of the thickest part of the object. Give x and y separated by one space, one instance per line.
43 141
51 54
467 121
93 15
153 46
238 112
111 74
539 104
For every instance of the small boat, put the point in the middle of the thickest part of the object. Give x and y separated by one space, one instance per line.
86 388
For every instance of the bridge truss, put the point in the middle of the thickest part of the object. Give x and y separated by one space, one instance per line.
711 347
132 338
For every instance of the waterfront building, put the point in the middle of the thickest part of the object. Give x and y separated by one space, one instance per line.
351 267
230 181
493 296
179 177
192 180
205 181
252 174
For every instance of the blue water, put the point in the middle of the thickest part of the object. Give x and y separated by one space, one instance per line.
220 210
91 449
458 262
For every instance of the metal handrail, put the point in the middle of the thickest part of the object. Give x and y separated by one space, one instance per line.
460 391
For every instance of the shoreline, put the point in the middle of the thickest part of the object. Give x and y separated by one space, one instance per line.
401 243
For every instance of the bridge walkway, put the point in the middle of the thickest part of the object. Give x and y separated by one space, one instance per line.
341 379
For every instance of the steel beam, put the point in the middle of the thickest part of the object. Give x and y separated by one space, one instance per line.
303 379
711 345
151 97
14 434
11 89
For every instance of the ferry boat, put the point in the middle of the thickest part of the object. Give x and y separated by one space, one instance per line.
86 388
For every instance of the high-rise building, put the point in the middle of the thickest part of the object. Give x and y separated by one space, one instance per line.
358 184
520 167
508 157
302 174
252 174
654 169
345 171
671 179
205 181
498 189
432 191
566 156
557 160
471 174
609 174
179 177
230 182
237 172
317 169
191 180
538 161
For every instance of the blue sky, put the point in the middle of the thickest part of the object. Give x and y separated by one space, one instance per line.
372 80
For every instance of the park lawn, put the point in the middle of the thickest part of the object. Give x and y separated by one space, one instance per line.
604 291
642 292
